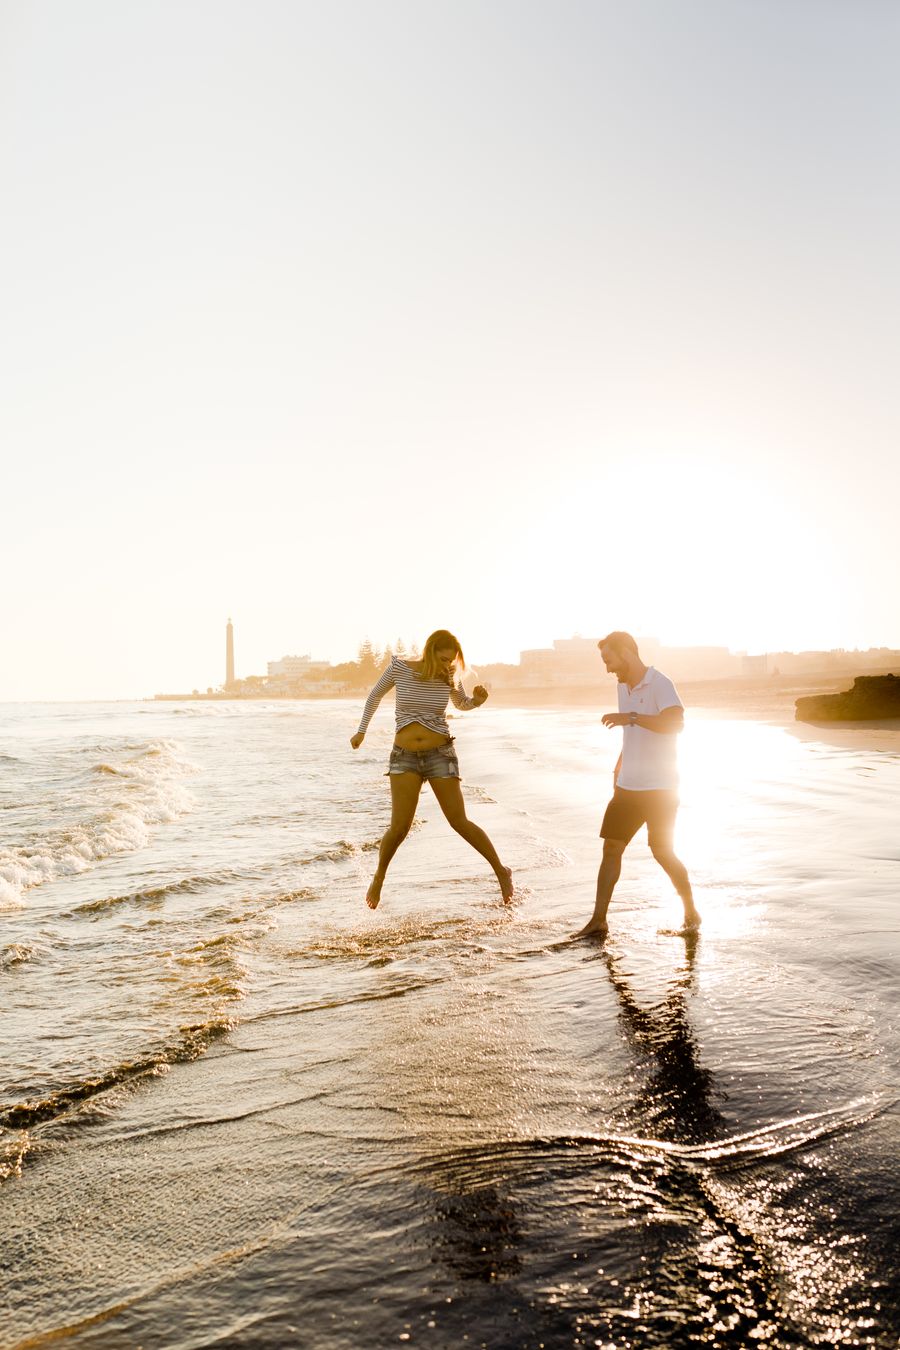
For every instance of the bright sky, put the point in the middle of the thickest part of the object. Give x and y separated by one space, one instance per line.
520 319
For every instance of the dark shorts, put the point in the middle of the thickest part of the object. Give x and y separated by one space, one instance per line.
628 811
441 762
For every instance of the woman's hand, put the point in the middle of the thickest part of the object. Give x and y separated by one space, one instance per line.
479 693
357 740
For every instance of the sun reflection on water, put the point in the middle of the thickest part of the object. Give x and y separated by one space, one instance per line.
736 777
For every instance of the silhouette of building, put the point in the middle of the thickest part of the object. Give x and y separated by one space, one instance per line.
576 661
229 654
297 674
754 666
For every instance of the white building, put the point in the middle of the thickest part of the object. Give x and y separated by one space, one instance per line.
569 661
296 668
577 661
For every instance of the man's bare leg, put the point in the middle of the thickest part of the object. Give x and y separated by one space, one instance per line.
610 869
450 800
405 789
676 871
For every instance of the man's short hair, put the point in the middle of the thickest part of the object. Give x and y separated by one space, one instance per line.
624 642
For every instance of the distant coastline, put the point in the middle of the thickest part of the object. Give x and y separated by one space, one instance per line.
762 697
568 672
769 699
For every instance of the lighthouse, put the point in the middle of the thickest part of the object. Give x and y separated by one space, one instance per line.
229 655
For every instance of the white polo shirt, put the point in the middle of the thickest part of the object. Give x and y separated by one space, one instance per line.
649 759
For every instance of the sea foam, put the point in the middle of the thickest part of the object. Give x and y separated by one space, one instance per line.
112 809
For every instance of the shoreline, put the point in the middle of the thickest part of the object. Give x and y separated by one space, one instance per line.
771 700
750 701
882 734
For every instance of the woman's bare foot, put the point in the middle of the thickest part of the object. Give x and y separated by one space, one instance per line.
373 894
594 930
692 920
507 888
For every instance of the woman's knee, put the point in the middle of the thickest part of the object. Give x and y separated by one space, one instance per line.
456 817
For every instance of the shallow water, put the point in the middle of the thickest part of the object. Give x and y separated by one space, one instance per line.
239 1109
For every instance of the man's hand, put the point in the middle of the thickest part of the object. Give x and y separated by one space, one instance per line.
357 740
479 693
615 719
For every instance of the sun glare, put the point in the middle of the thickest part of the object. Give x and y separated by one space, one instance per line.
700 552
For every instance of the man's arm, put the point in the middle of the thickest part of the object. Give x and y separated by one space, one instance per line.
667 723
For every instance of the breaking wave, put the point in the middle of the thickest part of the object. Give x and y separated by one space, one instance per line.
193 1042
121 808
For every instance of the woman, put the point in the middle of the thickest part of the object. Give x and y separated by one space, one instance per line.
423 748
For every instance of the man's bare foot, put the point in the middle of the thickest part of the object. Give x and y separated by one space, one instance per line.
373 894
507 887
594 930
690 927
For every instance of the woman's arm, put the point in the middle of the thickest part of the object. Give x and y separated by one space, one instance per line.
384 684
461 699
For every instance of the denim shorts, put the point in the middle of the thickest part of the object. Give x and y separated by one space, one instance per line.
441 762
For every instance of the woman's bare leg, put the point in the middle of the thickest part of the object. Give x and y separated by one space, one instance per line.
450 799
405 789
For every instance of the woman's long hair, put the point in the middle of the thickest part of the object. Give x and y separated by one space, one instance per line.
430 668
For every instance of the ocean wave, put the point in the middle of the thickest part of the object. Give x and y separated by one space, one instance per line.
193 1042
402 935
12 1154
426 936
16 954
347 848
145 791
146 759
288 897
322 1005
485 1164
10 894
342 849
153 894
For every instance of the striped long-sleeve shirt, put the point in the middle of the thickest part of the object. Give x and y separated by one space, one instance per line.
422 701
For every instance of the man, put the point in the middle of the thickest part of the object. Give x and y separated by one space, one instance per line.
645 780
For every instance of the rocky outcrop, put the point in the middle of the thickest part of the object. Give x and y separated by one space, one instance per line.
872 697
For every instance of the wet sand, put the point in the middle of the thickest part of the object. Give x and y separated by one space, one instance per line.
883 735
